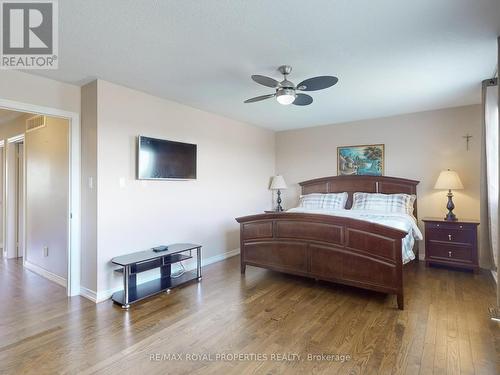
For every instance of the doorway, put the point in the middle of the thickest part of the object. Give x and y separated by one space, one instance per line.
16 186
14 197
38 195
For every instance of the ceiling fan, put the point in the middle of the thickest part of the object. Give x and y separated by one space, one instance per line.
286 91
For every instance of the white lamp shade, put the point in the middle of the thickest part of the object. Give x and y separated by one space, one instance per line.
448 180
278 183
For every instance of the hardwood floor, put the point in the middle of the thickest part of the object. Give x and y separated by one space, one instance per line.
443 329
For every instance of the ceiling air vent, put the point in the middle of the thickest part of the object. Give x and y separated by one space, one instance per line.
35 122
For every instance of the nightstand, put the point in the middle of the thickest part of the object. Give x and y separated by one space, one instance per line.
451 243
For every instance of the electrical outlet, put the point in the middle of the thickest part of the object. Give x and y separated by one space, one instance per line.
45 251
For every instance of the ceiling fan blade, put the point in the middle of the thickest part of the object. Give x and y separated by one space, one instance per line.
303 99
259 98
317 83
266 81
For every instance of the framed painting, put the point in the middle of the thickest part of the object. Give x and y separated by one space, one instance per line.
362 160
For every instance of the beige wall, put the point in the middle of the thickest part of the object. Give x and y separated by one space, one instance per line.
235 161
47 199
14 127
27 88
417 146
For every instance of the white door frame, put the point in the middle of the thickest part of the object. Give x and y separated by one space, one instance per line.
12 141
2 181
21 178
74 214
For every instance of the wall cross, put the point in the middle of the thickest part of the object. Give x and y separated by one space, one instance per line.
467 140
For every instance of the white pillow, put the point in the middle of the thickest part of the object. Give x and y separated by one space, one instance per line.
329 201
391 203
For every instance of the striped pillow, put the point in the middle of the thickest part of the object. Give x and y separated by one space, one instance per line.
330 201
392 203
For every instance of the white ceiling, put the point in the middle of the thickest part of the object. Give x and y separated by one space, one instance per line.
391 56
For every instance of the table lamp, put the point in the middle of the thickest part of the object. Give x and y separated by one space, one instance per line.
278 183
449 180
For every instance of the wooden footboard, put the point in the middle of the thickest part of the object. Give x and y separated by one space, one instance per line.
325 247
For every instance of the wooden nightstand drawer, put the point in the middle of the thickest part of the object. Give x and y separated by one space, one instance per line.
451 243
454 235
449 225
449 252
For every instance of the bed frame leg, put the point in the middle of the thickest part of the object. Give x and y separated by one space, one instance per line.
400 302
243 268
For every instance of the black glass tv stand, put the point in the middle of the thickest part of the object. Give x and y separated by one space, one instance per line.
134 263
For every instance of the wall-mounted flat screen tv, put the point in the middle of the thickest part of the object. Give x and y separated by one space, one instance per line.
159 159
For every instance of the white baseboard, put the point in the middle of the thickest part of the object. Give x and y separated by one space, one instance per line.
218 258
106 294
88 293
46 274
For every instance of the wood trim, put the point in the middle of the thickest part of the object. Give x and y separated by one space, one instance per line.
16 138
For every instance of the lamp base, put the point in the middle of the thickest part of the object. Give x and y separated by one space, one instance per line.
278 207
450 216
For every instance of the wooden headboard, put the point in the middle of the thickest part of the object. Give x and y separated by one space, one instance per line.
364 184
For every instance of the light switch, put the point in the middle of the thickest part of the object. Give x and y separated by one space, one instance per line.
122 182
91 182
45 251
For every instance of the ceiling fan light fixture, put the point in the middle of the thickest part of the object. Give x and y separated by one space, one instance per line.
285 96
286 90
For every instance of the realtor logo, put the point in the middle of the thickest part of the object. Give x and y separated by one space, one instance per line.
29 34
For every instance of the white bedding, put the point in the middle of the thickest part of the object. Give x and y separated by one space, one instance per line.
404 222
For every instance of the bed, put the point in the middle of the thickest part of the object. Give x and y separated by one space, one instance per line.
339 248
